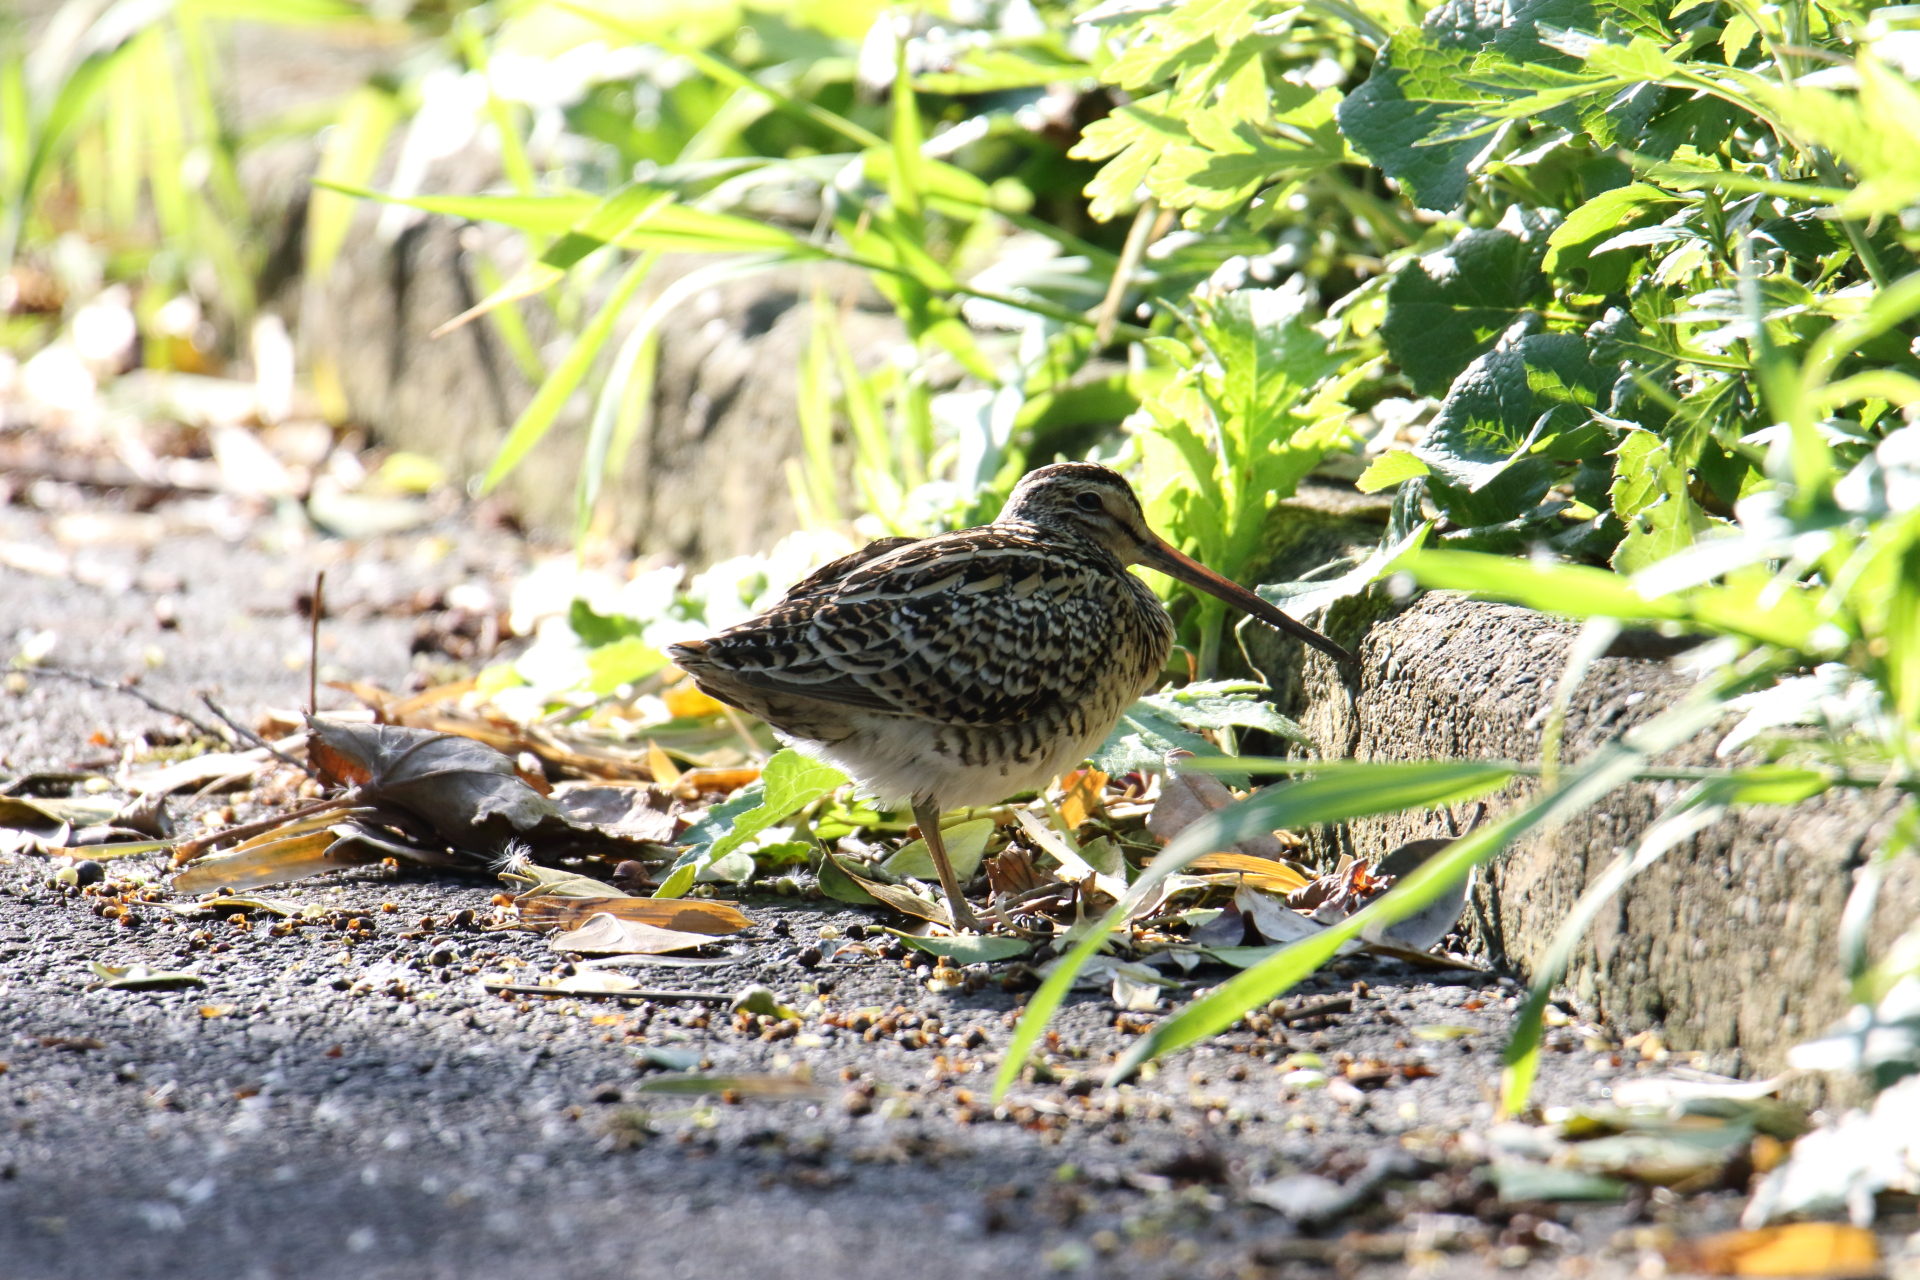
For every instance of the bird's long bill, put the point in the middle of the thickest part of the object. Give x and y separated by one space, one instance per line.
1158 555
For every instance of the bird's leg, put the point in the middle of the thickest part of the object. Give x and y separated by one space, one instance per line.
927 814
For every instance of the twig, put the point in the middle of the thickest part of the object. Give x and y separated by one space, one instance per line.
187 850
128 688
636 993
256 739
313 642
1340 1004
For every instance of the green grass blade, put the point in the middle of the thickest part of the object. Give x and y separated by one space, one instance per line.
1348 790
353 149
551 214
905 186
609 409
537 418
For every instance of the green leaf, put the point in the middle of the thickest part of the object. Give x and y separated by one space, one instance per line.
549 215
1340 792
1571 246
1390 469
1579 591
790 782
970 949
538 417
596 629
1650 497
628 660
1480 448
966 844
841 887
1448 308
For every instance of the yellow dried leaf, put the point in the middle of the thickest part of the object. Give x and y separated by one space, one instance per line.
686 702
660 765
1799 1249
1259 873
1083 790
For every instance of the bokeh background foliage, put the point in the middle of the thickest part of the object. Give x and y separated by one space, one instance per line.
1618 297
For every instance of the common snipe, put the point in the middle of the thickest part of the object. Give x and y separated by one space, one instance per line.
963 668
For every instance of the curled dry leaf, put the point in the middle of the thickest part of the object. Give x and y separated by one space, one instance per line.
605 934
1265 874
1186 796
713 919
1799 1249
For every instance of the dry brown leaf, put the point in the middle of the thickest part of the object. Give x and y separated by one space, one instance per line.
713 918
1083 790
695 783
605 934
901 900
1799 1249
275 861
1188 796
661 765
1260 873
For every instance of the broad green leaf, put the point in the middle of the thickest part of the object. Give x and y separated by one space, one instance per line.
1389 469
1481 446
624 661
790 782
966 844
1650 497
1340 792
1449 307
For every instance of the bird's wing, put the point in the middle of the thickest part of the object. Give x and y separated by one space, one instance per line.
830 573
979 627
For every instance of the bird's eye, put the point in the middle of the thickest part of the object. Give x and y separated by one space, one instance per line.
1089 502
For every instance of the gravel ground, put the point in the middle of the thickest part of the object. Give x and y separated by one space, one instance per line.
351 1102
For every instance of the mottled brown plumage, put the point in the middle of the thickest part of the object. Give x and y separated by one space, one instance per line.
966 667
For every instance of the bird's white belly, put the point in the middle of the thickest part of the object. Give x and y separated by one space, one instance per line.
895 760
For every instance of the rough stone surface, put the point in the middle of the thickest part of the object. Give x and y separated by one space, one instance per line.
706 474
1726 945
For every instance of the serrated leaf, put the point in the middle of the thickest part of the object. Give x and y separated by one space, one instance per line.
1650 497
1447 308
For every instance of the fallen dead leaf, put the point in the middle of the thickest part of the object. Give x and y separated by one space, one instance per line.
1083 793
1799 1249
1266 874
712 918
604 934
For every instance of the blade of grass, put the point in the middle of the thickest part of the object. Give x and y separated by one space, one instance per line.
352 151
1345 790
538 417
726 73
608 410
